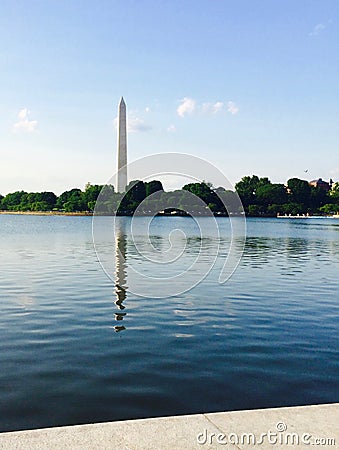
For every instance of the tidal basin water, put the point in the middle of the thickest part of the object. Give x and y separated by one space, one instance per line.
76 347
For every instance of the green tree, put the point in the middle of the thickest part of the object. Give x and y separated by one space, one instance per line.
299 191
13 200
135 194
330 208
23 201
108 201
49 198
46 199
269 194
136 191
334 192
293 208
171 199
39 206
318 197
152 187
91 194
72 201
205 192
201 190
274 209
254 210
246 188
255 191
230 200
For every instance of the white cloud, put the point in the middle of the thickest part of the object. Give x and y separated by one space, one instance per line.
187 106
23 114
171 129
134 124
232 108
23 123
317 29
147 109
217 107
212 107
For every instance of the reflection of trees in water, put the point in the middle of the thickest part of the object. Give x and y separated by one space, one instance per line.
334 248
258 251
289 253
120 275
296 248
162 248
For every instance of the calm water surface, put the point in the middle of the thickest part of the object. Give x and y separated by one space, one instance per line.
76 348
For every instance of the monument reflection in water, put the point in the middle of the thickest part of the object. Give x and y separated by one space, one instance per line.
120 273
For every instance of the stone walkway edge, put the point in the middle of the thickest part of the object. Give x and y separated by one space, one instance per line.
297 427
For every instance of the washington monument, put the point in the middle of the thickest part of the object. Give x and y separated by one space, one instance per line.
122 148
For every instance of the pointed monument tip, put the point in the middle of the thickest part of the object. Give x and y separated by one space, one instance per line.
122 100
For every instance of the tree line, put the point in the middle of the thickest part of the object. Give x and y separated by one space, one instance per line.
259 196
74 200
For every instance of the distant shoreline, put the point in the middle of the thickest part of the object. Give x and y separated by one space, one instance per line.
90 214
46 213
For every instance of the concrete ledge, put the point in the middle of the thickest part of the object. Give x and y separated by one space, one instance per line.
296 427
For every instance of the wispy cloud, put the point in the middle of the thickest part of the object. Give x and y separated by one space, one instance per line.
134 124
232 108
23 123
171 129
187 106
319 28
213 108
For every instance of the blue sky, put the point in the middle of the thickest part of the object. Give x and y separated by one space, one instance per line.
252 86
